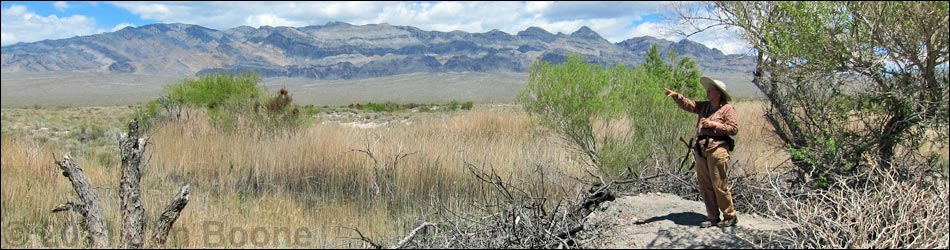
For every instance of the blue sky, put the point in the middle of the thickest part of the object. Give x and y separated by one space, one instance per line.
106 15
615 21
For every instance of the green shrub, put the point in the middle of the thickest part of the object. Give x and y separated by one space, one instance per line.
90 133
375 107
231 101
309 110
576 96
147 115
279 113
453 105
217 90
467 105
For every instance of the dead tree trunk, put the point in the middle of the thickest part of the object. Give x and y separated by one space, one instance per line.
167 219
130 189
133 213
98 236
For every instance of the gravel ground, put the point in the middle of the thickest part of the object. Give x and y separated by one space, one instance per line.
657 220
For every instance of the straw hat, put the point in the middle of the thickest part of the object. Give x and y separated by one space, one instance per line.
706 81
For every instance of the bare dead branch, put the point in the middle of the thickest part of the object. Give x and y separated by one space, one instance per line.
98 236
172 211
366 239
70 206
413 234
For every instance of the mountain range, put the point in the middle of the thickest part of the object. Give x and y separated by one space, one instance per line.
337 50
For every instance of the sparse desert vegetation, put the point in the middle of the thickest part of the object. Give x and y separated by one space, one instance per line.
346 168
310 179
315 178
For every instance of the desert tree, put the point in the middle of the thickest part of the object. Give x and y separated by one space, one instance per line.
857 92
851 85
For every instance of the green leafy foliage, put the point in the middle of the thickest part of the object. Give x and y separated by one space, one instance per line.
216 90
679 73
230 101
467 105
453 105
855 84
375 107
584 102
147 114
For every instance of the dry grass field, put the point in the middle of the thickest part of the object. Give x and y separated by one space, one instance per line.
313 180
304 189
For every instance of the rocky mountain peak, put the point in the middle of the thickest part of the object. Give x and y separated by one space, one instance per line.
534 31
537 33
686 46
243 29
336 23
587 33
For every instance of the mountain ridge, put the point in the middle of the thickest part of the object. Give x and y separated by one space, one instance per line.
336 50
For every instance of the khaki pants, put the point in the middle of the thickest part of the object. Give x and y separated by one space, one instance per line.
711 169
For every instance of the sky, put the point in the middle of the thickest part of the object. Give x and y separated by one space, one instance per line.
28 21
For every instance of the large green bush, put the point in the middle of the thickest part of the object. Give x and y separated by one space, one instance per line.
216 90
230 101
584 103
225 96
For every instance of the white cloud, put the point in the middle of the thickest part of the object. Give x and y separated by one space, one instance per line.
22 25
450 16
61 5
562 10
15 10
8 38
650 29
226 15
156 11
537 7
269 20
447 10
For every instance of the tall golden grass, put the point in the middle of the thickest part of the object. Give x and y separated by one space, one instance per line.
757 145
316 178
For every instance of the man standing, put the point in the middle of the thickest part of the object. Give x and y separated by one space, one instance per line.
717 122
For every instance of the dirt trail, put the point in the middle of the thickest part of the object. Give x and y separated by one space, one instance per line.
657 220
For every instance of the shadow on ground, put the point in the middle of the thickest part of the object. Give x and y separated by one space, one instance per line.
683 218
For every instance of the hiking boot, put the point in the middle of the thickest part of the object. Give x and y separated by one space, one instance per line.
708 223
728 222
